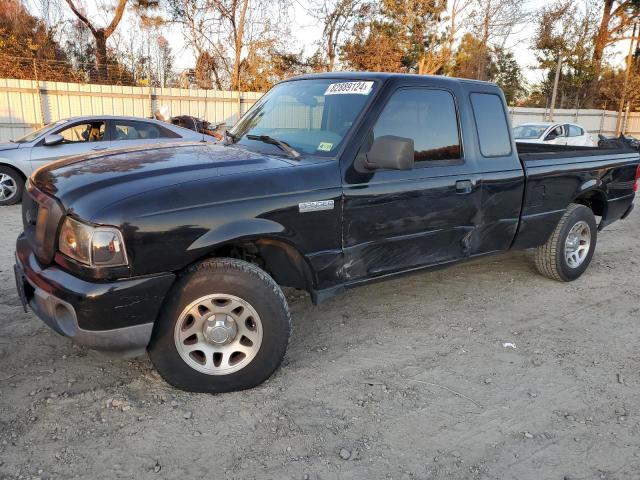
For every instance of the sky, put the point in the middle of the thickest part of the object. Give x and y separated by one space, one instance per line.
306 30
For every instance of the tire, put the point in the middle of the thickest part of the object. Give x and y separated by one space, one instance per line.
213 302
565 259
11 186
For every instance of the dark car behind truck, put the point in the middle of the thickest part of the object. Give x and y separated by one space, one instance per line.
330 181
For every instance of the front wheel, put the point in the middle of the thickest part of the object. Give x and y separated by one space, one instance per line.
11 186
569 250
225 327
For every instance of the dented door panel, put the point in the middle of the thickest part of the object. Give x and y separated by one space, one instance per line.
407 223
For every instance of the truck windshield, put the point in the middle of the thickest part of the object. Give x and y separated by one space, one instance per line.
311 116
529 131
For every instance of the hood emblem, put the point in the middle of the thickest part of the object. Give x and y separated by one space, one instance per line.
315 206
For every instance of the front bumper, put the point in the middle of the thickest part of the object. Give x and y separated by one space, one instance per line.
116 316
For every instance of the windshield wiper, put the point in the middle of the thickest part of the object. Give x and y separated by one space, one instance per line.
278 143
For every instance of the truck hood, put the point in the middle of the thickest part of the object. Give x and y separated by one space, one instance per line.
8 146
85 184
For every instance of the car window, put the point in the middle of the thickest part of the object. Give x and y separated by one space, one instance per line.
132 130
426 116
491 125
529 131
84 132
575 131
558 132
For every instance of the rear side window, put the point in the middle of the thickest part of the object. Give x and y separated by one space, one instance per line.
426 116
491 124
132 130
575 131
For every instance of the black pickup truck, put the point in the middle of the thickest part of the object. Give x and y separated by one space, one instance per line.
330 181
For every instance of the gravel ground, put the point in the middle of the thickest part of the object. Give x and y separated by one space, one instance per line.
484 370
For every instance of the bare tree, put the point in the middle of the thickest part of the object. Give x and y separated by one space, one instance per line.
228 34
201 29
101 34
442 59
337 16
454 22
494 22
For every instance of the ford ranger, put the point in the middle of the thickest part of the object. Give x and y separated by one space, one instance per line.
328 182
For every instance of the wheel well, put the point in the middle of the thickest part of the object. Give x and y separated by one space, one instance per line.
279 259
595 200
20 172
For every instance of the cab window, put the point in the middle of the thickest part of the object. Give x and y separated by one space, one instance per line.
426 116
491 125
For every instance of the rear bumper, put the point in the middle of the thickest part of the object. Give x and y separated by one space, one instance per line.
617 209
115 316
627 212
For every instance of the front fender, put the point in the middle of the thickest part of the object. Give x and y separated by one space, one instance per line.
237 230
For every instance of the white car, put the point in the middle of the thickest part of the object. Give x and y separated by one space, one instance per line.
554 133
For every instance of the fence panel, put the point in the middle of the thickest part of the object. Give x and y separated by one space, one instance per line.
27 104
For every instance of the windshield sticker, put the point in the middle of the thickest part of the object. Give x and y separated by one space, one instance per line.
349 88
325 146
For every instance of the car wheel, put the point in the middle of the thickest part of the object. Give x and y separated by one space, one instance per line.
11 186
225 326
569 250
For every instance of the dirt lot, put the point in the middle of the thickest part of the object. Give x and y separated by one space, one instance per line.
408 379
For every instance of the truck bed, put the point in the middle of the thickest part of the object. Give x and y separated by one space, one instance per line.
555 175
540 151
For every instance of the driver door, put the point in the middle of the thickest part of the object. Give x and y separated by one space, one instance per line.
398 220
79 138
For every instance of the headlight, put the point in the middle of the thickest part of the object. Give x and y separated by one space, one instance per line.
95 246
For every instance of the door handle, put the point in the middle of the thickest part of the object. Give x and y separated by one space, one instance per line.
97 149
464 187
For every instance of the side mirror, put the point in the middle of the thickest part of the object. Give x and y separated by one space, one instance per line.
551 136
51 140
389 152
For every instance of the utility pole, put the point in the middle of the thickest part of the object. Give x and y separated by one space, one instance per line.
619 123
41 109
555 87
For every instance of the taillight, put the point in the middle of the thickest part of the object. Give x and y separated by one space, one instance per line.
636 185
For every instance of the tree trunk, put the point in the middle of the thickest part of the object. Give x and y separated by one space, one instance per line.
238 41
484 43
331 51
101 55
598 51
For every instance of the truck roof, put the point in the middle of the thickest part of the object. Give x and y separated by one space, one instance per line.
386 76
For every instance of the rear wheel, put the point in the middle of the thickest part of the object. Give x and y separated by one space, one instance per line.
11 186
225 327
569 250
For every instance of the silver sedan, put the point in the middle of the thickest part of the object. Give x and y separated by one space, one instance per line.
77 136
